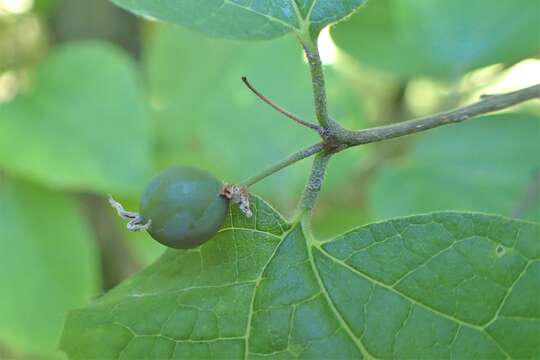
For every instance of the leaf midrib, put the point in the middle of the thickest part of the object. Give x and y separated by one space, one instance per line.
257 283
310 244
267 16
303 22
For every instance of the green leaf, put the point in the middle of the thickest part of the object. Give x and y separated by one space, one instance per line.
486 164
208 118
432 286
440 38
82 126
49 265
45 6
245 19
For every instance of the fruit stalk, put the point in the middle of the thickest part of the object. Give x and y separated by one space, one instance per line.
297 156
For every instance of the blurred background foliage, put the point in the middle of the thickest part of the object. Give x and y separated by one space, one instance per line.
94 101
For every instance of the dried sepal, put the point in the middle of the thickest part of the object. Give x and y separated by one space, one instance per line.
239 195
135 219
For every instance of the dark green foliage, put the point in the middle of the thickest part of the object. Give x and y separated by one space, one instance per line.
247 20
440 286
82 120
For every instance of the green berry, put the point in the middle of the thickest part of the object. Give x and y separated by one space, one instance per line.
185 207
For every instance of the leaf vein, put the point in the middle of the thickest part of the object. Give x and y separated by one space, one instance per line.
257 282
330 303
394 290
507 295
267 16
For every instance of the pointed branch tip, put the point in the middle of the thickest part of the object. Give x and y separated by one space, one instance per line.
280 109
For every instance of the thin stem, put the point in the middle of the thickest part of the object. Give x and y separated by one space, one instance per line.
300 155
318 82
487 104
279 108
314 184
318 170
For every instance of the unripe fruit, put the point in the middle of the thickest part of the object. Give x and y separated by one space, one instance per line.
185 207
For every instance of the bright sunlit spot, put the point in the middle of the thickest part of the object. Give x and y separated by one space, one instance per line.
8 86
424 95
523 74
15 6
327 48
